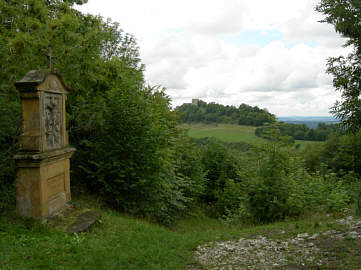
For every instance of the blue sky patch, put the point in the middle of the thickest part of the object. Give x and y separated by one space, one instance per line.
312 44
253 37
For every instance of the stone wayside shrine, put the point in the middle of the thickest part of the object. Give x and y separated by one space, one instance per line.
43 163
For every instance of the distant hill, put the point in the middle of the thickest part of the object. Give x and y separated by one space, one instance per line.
309 121
201 112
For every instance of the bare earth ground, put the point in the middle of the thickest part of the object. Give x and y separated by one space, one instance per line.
333 249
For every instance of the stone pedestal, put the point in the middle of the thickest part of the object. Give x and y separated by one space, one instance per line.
42 177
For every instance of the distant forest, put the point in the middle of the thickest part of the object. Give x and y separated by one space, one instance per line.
201 112
298 132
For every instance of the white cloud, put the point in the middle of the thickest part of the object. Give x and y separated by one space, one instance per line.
181 44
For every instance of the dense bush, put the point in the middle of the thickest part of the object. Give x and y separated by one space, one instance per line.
267 185
189 167
221 165
274 184
9 130
340 153
324 192
135 156
129 149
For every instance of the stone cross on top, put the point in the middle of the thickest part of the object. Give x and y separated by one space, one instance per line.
49 56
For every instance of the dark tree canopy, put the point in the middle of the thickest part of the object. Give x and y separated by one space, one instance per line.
345 15
299 132
218 113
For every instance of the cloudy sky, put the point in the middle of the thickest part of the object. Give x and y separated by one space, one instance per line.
267 53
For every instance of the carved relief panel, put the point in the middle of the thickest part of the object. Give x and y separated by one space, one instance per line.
52 119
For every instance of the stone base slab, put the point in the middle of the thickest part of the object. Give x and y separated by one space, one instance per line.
42 182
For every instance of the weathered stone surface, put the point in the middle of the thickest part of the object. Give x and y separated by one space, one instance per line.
52 119
42 183
302 235
33 77
84 222
43 96
43 167
37 157
314 236
37 77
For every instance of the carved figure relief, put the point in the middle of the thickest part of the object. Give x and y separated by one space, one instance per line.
52 120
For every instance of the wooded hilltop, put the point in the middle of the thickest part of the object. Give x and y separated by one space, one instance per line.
244 114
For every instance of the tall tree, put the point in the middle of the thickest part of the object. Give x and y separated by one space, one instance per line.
345 15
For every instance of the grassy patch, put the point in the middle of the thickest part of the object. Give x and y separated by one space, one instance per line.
341 253
232 133
122 242
224 132
117 242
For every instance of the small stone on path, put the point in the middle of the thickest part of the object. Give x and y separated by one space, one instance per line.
302 235
353 235
84 222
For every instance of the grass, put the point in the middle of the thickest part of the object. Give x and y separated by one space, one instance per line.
232 133
118 242
224 132
123 242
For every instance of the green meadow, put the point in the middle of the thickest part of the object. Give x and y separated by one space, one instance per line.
232 133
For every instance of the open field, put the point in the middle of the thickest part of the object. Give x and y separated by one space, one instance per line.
231 133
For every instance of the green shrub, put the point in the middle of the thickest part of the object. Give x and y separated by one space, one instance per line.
323 193
357 200
9 131
266 186
229 198
189 166
134 155
275 185
221 165
340 153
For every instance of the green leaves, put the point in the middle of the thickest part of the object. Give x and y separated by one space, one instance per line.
129 151
125 134
273 185
344 15
217 113
346 71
